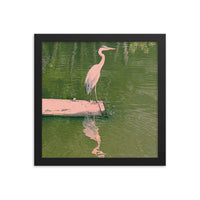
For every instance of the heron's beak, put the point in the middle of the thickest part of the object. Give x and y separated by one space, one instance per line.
111 48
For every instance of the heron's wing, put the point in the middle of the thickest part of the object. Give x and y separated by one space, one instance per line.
92 71
92 78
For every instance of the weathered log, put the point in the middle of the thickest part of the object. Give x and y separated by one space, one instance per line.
66 107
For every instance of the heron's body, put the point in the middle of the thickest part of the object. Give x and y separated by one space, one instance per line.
94 72
92 78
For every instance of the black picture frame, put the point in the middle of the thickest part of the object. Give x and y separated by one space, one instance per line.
39 38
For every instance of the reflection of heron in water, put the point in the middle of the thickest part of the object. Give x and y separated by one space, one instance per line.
94 72
92 131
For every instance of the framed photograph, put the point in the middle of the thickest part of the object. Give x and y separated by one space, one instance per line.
99 99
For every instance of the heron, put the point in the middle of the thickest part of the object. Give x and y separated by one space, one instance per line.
95 71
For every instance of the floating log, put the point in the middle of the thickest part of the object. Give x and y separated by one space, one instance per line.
66 107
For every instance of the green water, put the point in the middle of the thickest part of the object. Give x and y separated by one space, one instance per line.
127 86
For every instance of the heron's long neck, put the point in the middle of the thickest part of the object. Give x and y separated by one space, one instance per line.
102 59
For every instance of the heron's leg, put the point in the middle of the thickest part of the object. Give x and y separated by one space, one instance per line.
90 96
95 93
96 98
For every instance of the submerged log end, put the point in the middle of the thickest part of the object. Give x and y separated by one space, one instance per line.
62 107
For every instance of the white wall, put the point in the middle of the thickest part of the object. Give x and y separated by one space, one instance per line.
20 20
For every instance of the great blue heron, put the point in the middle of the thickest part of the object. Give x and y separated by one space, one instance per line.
94 72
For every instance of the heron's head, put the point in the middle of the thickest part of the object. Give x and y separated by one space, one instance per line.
105 48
